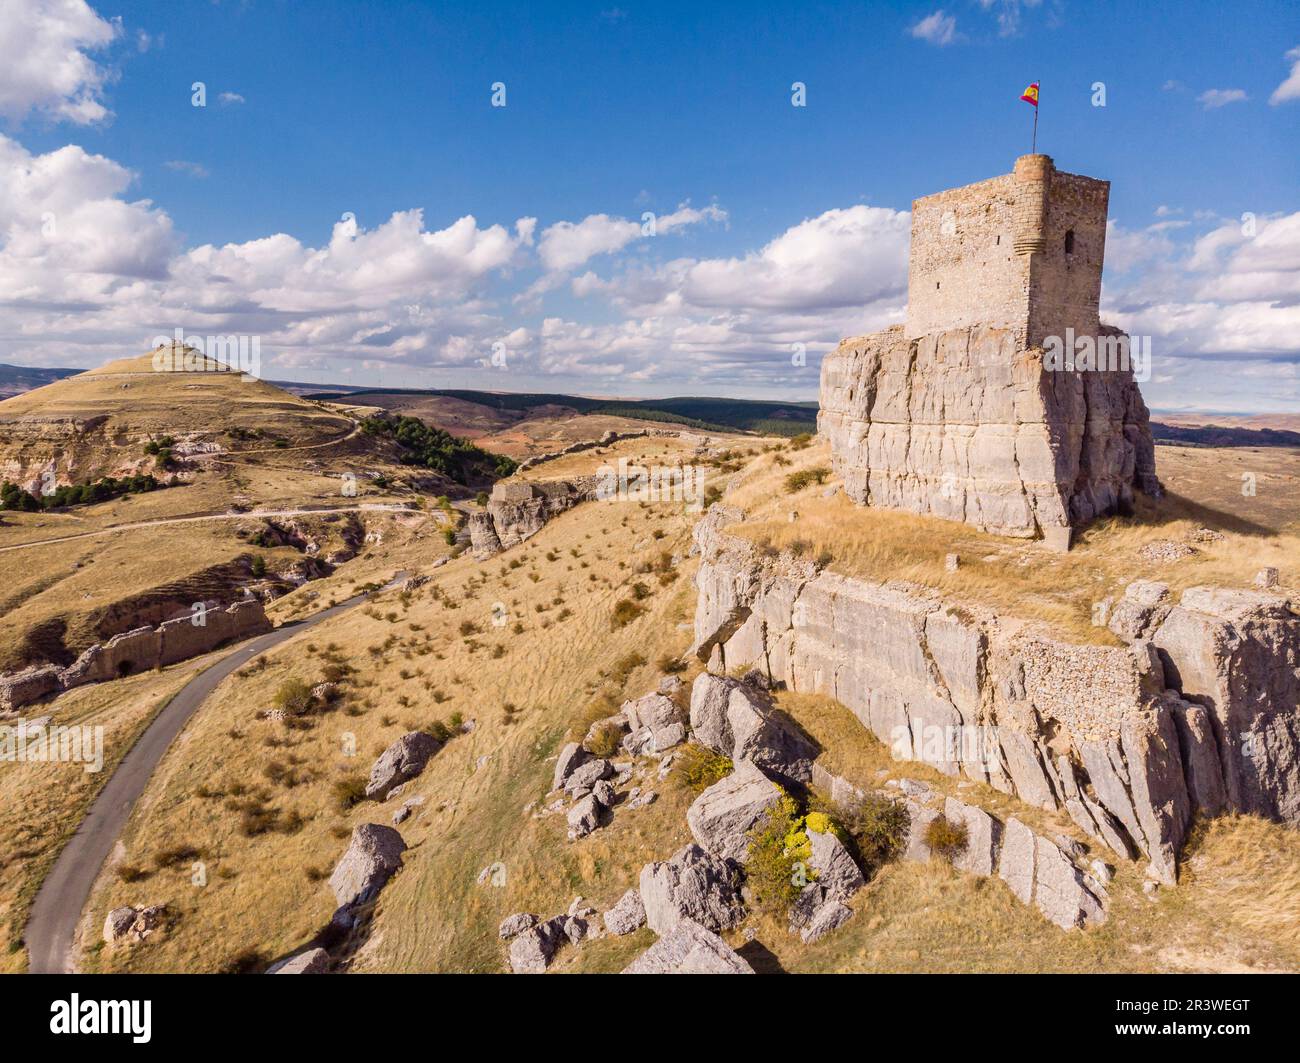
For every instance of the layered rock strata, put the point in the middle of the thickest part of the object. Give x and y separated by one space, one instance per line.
1199 715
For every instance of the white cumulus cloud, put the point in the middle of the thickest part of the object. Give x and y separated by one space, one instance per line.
44 65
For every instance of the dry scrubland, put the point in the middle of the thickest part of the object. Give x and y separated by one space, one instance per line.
1022 578
257 800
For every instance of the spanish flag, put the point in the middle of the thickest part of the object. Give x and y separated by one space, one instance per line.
1031 94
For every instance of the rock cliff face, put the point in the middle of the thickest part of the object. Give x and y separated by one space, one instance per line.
517 510
1129 741
137 651
964 425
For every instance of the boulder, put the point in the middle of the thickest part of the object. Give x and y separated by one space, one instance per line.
805 906
584 817
313 961
692 884
403 760
532 950
920 817
513 925
1144 605
736 720
689 948
571 756
587 774
628 914
837 871
118 924
651 710
722 816
832 915
372 856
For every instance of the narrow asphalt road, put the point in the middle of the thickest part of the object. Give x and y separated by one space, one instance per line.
52 925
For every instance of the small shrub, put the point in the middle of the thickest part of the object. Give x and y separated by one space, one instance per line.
625 612
701 767
605 741
946 838
797 481
293 697
131 873
878 827
349 792
176 855
771 874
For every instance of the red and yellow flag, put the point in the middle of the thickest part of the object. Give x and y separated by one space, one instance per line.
1031 94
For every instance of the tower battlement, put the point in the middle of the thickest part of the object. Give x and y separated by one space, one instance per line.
1021 252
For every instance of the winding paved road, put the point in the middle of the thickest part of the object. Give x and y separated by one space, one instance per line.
52 925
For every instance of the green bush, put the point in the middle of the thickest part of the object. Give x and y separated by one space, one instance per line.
878 827
701 767
946 838
604 741
797 481
772 872
293 697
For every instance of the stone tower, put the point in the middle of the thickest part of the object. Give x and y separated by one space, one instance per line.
958 413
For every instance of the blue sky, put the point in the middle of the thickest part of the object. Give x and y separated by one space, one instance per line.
777 225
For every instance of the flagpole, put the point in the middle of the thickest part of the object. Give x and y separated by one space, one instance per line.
1037 103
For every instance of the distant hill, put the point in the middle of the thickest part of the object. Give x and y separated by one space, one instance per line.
1212 435
15 379
705 414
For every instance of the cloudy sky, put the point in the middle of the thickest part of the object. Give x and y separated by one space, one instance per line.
648 212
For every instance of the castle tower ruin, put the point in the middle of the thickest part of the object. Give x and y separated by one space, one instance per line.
969 411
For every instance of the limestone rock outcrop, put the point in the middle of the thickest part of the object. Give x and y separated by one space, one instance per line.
518 509
1129 741
139 650
965 426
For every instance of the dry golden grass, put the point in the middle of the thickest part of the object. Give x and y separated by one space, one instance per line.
567 657
1025 579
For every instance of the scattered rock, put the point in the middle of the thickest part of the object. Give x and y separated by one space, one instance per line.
587 774
1266 579
1152 889
513 925
830 916
670 685
647 797
532 950
571 757
837 871
627 915
723 815
692 884
119 923
401 761
372 856
584 817
689 948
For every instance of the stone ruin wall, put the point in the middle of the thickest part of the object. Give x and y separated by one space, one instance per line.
136 651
